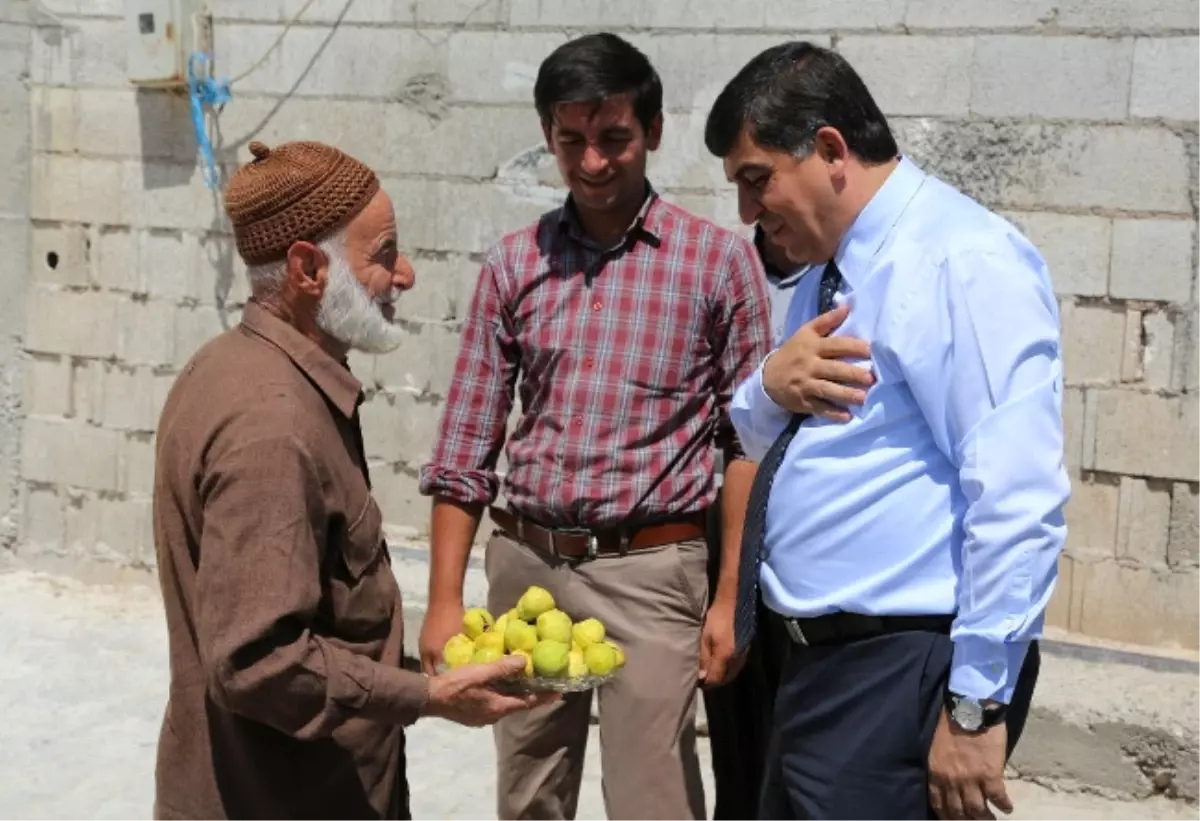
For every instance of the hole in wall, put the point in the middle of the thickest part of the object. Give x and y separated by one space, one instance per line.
52 260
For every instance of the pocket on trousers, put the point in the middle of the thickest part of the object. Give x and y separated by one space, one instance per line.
691 563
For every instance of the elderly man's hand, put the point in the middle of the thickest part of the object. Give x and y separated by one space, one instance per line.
463 695
804 375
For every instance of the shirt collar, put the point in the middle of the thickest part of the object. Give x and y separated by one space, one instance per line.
332 378
873 224
647 225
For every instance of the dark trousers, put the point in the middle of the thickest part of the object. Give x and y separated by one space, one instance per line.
740 714
854 723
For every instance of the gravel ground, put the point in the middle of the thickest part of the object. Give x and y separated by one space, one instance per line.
82 688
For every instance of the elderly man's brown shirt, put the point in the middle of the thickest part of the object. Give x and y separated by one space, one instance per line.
287 699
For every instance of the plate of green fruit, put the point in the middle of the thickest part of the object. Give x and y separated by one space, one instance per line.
561 655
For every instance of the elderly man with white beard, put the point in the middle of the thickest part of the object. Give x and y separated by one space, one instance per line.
287 698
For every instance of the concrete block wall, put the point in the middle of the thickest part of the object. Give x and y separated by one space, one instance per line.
1075 118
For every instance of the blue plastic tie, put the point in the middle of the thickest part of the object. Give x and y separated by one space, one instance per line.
205 92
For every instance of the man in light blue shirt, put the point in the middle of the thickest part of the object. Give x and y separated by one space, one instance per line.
916 491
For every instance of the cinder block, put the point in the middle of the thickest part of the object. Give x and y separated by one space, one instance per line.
936 80
1146 435
1183 362
42 523
1073 404
395 491
491 67
982 15
1165 76
47 387
1058 611
637 14
1152 259
116 260
1067 77
1137 605
70 453
217 274
322 11
682 161
417 129
125 531
59 254
137 465
399 428
1023 165
1091 515
147 332
467 218
143 124
168 195
689 83
196 326
87 390
130 399
79 324
90 52
53 119
348 61
1122 17
460 12
76 189
1143 519
1093 343
1076 249
826 15
164 259
1183 547
424 363
443 289
1158 331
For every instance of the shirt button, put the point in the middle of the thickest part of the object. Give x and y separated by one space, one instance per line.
589 363
596 305
578 421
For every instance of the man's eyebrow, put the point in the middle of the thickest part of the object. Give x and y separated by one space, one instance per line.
747 168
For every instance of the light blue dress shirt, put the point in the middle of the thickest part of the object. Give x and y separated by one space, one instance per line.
944 493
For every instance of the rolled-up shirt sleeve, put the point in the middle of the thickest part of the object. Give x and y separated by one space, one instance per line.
259 589
472 427
986 371
743 336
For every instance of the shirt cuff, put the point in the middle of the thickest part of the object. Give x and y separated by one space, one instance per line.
985 670
768 413
397 696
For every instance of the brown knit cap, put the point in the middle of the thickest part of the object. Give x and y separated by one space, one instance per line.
293 192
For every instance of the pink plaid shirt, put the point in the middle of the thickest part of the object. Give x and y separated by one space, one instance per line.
625 360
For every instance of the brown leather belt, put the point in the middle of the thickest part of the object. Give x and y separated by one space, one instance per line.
588 544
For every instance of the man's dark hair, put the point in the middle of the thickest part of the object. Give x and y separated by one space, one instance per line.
788 92
593 68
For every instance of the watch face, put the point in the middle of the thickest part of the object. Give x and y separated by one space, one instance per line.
968 715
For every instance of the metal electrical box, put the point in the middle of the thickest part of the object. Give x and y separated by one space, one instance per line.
160 37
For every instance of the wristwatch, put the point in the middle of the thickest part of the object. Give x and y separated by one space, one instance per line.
971 714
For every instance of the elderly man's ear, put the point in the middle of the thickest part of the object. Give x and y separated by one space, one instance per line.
307 269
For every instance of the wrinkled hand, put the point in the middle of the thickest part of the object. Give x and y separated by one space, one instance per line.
805 376
719 661
463 696
966 771
442 620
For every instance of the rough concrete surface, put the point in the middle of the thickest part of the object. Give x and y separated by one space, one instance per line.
84 679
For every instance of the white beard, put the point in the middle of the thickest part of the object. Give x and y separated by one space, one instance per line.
349 314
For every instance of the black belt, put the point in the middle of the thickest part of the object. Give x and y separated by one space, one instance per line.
842 627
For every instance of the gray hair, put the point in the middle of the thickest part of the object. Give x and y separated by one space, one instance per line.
266 280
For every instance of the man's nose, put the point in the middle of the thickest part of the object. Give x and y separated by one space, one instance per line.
593 161
749 208
404 277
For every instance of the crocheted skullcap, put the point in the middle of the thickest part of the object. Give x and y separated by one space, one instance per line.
297 191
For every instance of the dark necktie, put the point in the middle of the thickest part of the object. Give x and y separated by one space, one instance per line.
754 531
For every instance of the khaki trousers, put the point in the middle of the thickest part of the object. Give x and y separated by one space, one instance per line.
652 602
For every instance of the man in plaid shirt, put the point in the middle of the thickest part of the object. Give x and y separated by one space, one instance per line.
624 323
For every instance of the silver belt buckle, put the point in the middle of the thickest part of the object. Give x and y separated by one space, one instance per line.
593 546
794 631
